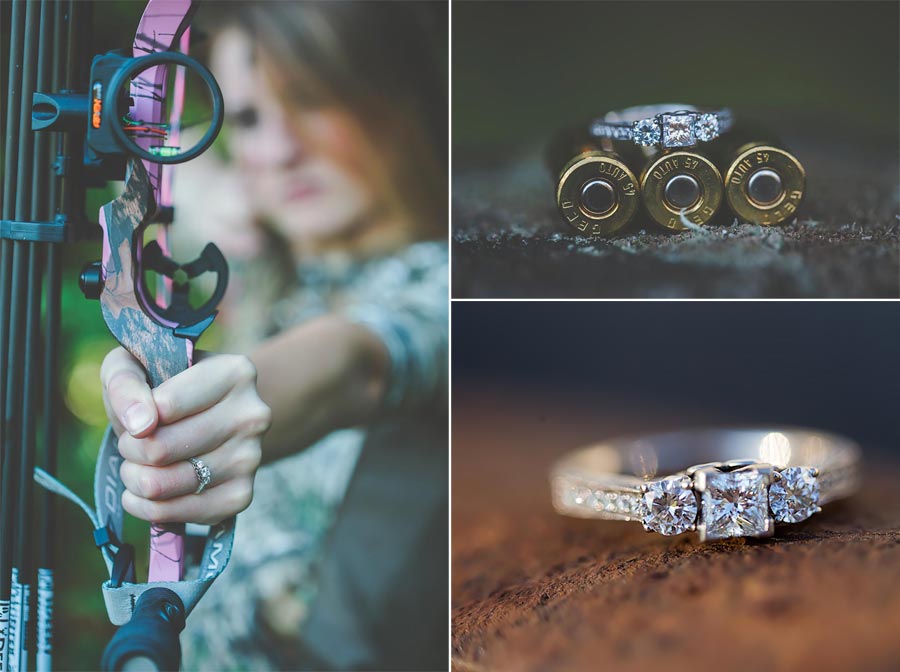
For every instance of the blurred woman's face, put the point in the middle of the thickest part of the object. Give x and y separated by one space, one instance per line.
302 167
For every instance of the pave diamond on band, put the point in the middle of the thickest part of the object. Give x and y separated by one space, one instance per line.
665 126
755 478
204 475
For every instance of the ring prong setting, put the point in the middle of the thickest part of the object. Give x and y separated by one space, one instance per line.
701 532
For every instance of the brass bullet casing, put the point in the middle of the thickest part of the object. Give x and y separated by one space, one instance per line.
764 184
596 192
681 184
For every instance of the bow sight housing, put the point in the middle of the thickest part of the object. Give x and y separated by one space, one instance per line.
104 112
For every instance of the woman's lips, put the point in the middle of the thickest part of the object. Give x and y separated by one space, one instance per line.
299 191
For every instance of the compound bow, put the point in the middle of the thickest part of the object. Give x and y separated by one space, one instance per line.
111 125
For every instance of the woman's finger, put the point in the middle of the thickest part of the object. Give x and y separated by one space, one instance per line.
202 386
195 435
236 459
127 393
208 508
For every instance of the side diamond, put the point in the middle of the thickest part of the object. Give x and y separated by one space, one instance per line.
670 506
707 127
646 132
576 495
795 496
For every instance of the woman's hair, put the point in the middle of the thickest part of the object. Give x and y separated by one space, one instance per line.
385 64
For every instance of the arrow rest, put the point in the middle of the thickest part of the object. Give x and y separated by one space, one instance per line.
179 311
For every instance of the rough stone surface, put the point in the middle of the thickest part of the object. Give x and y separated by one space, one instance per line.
509 240
533 591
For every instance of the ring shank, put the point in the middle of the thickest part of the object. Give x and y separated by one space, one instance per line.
637 112
586 481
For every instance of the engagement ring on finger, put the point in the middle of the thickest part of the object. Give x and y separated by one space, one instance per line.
204 475
663 126
720 483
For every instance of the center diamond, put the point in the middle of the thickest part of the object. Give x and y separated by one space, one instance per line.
734 504
678 130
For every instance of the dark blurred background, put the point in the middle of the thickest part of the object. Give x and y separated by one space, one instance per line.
520 69
831 365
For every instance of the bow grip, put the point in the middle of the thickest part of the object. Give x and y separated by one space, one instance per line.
163 348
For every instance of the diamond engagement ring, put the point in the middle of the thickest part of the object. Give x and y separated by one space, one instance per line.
664 126
741 483
204 475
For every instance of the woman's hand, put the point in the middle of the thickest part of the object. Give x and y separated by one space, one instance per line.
211 411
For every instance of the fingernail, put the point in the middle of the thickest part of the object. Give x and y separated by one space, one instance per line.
137 418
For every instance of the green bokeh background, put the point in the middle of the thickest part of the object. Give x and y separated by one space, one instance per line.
521 69
81 627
